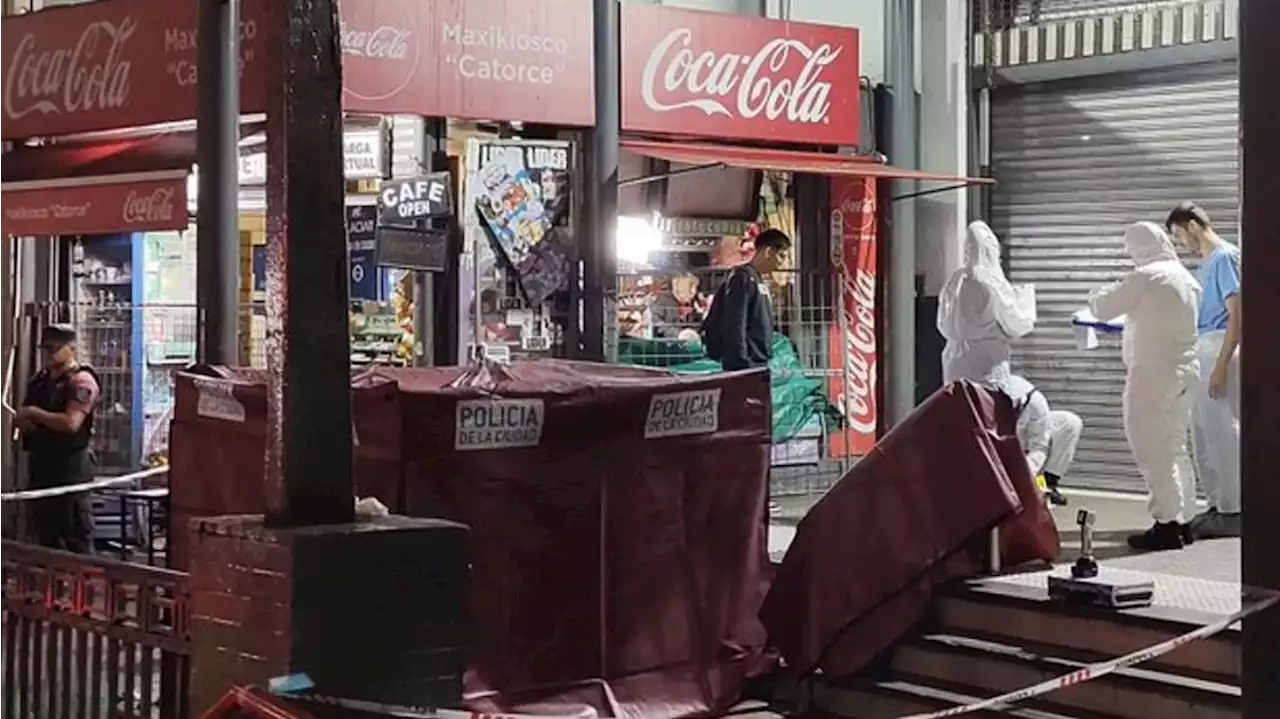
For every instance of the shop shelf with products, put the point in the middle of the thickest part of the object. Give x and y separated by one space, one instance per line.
377 335
104 313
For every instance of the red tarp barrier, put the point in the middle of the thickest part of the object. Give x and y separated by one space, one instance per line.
913 514
617 515
217 448
626 543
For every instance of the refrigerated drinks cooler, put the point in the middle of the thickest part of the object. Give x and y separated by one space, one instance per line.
133 306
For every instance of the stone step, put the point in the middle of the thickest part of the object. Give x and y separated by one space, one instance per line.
1025 618
985 668
893 699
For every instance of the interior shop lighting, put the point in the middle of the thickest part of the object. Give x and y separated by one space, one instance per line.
637 237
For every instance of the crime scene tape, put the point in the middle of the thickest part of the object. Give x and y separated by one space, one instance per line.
123 480
1093 671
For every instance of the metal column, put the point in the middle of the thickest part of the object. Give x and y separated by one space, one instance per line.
217 215
1260 406
599 252
309 477
900 310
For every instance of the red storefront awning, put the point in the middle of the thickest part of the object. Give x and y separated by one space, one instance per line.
98 188
756 158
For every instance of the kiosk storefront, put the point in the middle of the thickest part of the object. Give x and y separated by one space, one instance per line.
101 100
731 121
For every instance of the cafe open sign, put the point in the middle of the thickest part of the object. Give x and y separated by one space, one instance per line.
404 202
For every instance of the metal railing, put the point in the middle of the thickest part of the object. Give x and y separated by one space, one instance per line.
88 638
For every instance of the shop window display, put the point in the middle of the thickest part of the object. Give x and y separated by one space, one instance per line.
516 214
669 270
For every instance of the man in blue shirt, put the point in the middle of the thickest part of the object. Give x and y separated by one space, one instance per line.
1215 431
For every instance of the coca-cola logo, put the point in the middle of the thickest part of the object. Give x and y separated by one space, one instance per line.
860 352
781 80
379 58
89 74
382 43
141 208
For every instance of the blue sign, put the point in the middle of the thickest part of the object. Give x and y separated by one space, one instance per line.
363 278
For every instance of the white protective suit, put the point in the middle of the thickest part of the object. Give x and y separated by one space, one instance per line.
1160 299
980 313
1049 437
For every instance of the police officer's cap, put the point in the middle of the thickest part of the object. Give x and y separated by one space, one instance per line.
57 336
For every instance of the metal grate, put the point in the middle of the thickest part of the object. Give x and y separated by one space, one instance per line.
1016 13
1076 162
658 326
87 636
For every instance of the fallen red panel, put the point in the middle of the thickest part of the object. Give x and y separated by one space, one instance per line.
868 558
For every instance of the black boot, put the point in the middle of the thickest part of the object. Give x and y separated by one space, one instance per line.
1161 536
1053 494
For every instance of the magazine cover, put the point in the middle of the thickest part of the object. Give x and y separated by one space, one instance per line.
522 201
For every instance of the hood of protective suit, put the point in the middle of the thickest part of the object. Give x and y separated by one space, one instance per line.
1147 242
979 312
981 247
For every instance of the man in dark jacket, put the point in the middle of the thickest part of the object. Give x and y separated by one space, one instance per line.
739 328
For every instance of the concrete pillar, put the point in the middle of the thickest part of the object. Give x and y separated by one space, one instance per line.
944 133
903 150
1260 404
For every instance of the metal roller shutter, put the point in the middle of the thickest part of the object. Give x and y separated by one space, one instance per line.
1077 161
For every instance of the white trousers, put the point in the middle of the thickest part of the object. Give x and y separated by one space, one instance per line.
1215 428
1157 417
1064 434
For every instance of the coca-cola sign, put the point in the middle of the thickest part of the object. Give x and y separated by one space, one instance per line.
105 65
148 206
128 63
526 60
693 73
92 73
852 340
96 209
382 53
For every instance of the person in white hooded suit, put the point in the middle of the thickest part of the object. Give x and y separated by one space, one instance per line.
980 313
1048 436
1160 300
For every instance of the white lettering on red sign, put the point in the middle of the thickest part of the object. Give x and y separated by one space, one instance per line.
857 273
148 207
678 414
89 75
485 53
382 43
759 85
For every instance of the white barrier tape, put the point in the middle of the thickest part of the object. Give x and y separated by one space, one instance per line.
106 483
1093 671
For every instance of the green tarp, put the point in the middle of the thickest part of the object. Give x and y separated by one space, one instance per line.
798 401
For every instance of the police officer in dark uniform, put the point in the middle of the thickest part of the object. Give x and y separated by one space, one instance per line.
56 421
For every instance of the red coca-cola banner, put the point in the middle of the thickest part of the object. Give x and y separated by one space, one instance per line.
527 60
127 63
691 73
122 63
97 209
852 342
